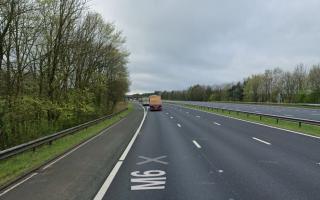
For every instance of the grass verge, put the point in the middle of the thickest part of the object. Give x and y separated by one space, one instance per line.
16 166
293 126
292 105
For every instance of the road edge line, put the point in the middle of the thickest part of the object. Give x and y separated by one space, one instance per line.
80 145
105 186
17 184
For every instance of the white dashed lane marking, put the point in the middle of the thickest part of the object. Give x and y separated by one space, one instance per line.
262 141
197 144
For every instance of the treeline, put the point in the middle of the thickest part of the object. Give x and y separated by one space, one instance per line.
297 86
60 64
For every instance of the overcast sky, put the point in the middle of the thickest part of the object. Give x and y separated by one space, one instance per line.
177 43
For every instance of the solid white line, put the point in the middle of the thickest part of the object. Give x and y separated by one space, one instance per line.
108 181
81 145
196 143
104 188
198 116
282 129
17 184
179 125
217 123
259 140
126 151
171 117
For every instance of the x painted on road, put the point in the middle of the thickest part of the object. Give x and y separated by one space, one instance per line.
149 160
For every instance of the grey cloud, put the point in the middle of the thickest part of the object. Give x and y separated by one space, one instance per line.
175 43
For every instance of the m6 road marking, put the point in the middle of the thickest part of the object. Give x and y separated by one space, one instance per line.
150 179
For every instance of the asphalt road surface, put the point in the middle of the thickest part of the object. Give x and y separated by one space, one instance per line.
185 154
295 112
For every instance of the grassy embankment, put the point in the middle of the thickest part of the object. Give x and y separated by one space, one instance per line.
293 105
293 126
16 166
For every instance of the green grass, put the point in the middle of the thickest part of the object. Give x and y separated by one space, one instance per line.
20 164
294 126
294 105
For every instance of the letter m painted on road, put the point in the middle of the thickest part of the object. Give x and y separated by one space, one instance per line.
151 183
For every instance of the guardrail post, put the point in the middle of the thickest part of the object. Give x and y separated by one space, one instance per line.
277 121
260 117
229 112
300 124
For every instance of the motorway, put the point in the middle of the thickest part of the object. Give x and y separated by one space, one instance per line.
294 112
181 153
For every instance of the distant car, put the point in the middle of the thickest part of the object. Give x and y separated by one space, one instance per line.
155 103
145 101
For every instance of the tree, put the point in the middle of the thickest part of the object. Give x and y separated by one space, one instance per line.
60 65
314 84
197 93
